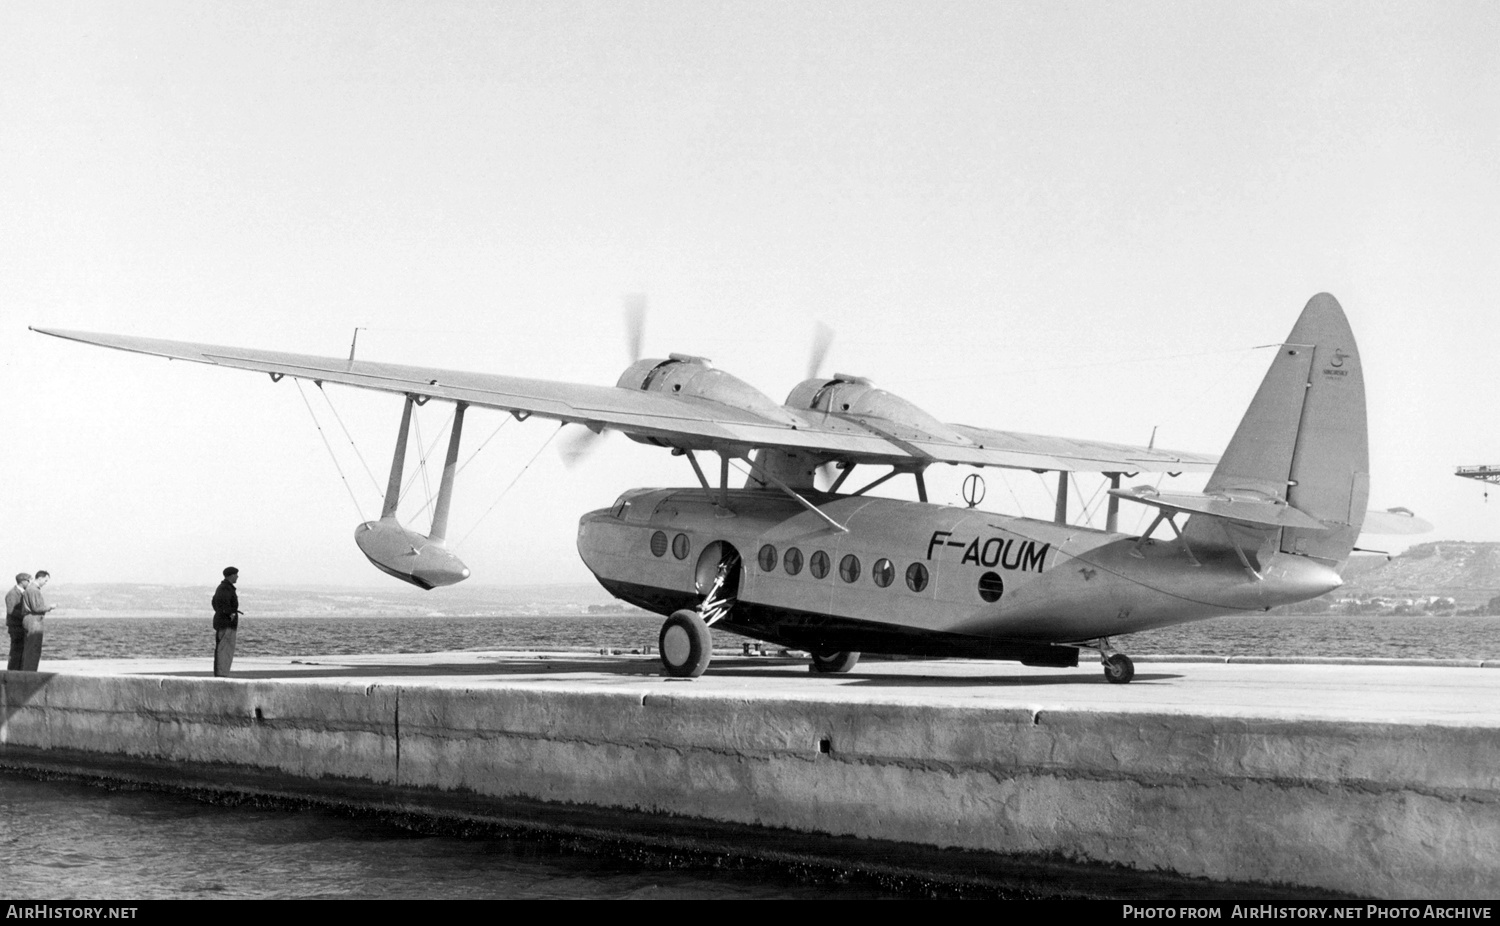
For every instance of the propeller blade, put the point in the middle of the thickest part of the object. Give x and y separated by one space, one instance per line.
822 341
635 324
826 474
577 444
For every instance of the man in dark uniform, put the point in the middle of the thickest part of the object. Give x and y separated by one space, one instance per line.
15 612
226 621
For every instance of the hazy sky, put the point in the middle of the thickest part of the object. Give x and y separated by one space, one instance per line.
1067 218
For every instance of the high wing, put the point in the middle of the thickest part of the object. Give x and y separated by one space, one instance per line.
682 421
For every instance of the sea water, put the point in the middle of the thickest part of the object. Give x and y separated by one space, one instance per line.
1366 636
63 839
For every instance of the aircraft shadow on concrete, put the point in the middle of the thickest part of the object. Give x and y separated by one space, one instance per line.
754 667
747 668
499 668
1093 678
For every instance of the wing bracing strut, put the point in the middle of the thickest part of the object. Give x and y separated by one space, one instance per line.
766 476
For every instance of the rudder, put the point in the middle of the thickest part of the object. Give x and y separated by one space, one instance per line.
1304 440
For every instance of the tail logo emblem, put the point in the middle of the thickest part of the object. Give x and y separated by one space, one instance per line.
1338 361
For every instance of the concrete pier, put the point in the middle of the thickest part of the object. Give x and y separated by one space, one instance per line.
1381 780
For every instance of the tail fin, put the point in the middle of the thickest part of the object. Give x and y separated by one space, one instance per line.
1303 440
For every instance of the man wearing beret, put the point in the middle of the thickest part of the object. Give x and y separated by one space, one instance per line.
226 621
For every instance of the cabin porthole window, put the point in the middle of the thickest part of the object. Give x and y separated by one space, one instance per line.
792 561
659 543
883 572
849 568
991 586
916 577
681 546
767 558
817 564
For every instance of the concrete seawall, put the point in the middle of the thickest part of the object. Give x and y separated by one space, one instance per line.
1390 809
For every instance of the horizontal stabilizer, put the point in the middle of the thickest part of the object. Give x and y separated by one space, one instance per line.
1394 521
1256 512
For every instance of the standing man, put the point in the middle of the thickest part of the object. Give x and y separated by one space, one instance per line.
226 621
36 609
15 612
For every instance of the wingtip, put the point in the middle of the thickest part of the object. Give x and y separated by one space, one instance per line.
55 332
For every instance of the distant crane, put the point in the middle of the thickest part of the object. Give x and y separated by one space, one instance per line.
1481 473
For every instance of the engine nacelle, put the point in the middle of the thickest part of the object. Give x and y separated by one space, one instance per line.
857 397
693 377
408 555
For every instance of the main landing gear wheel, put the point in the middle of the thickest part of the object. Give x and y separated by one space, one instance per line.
1118 668
684 645
834 662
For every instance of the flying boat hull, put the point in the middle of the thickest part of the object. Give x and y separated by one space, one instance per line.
920 579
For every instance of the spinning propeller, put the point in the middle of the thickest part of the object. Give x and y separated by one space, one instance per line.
577 443
822 342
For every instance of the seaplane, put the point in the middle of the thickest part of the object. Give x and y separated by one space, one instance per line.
838 573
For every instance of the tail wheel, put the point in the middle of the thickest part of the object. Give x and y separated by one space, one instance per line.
834 662
1118 668
684 645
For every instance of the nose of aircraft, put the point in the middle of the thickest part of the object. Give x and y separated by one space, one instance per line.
408 555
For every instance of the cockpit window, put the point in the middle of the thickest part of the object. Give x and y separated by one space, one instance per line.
636 506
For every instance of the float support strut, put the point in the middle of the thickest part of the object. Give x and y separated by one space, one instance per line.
393 487
450 469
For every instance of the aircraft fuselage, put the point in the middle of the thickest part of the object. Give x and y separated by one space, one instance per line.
923 579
